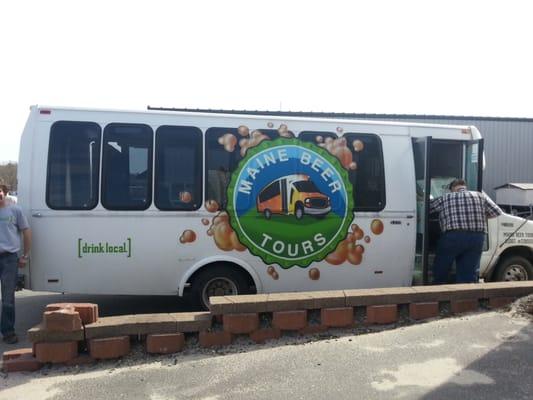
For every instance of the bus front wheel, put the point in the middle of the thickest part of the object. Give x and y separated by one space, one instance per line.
217 280
299 211
267 213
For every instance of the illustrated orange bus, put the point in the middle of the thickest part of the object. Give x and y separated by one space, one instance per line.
293 195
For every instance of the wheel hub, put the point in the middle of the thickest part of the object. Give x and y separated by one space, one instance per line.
516 272
219 287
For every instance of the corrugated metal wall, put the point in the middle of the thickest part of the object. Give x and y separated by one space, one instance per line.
508 149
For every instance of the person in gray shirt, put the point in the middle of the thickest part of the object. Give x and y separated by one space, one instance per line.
12 223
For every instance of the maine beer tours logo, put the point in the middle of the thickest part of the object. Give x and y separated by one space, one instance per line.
290 202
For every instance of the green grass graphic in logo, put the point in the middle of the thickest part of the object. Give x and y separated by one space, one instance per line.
290 202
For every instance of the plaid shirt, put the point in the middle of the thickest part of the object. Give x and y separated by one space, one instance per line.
464 210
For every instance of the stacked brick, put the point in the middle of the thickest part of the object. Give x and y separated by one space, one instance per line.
73 333
58 339
291 312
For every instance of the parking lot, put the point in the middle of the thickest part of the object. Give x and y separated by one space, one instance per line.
480 355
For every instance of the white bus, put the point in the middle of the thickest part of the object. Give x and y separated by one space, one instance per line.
163 202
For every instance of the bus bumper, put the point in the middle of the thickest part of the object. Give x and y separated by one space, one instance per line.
316 211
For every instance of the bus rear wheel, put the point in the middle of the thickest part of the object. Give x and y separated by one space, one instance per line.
267 213
515 268
217 280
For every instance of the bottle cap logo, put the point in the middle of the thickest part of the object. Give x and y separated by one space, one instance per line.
290 202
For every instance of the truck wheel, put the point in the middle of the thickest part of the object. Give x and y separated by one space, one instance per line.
217 280
514 268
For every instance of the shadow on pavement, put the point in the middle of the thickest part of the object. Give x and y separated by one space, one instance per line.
507 372
109 305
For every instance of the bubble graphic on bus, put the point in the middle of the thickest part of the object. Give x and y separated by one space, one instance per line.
225 237
273 273
283 131
254 139
188 236
339 148
229 142
377 227
293 195
185 197
314 274
211 206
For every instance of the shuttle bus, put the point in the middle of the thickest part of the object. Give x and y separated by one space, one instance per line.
198 204
295 195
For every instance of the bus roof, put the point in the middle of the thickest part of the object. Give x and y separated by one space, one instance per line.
232 115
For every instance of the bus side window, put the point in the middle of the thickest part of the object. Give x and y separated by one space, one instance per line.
316 137
225 147
223 153
178 168
270 192
127 167
368 179
73 165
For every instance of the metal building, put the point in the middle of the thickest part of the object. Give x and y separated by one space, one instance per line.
508 141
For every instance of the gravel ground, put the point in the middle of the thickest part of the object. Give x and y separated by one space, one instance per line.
523 307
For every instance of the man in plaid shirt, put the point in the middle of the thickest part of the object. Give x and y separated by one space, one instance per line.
463 219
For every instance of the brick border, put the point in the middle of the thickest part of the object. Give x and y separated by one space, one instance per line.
67 327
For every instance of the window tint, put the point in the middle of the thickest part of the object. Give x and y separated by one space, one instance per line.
306 187
368 179
316 137
270 191
178 168
274 134
223 153
127 167
73 165
225 147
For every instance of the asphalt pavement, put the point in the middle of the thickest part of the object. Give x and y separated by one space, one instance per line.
478 356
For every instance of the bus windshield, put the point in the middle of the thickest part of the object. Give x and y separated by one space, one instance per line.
305 186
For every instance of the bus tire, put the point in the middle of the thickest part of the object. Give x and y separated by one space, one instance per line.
514 268
217 280
267 213
299 211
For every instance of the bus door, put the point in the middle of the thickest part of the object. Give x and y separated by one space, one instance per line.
473 168
437 163
422 153
473 174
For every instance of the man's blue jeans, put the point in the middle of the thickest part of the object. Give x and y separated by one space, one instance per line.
465 248
8 278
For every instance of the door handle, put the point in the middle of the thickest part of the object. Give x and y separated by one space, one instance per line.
37 214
